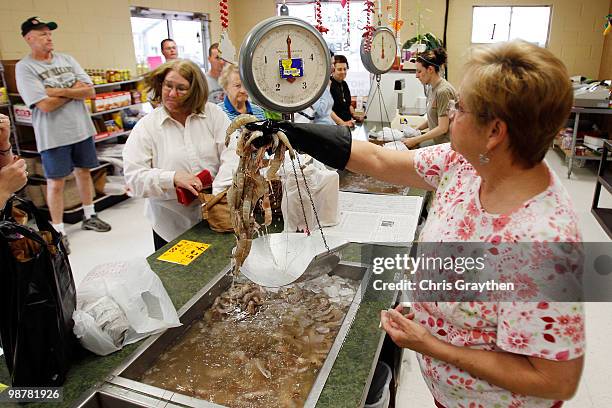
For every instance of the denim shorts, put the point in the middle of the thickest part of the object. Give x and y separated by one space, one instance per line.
60 161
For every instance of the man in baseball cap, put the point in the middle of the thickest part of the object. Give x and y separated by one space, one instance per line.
34 23
54 85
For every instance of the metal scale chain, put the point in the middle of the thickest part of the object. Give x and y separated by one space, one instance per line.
314 209
291 118
381 102
380 99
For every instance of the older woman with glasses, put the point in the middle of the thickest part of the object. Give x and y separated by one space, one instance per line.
439 92
236 100
168 147
491 185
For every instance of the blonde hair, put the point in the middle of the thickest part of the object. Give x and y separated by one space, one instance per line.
524 85
224 78
197 95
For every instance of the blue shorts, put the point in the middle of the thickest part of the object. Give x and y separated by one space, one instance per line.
60 161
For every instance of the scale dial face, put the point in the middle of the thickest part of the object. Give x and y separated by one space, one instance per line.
382 52
284 64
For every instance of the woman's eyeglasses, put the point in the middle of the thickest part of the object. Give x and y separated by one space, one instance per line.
179 89
454 107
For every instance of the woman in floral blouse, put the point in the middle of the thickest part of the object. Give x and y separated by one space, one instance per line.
491 185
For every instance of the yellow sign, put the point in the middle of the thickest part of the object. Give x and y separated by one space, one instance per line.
184 252
3 387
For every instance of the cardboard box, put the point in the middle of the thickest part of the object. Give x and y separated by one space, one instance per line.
72 198
9 75
22 113
35 167
35 194
71 193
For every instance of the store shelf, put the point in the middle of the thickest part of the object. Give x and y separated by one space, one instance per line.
589 154
23 123
606 181
116 109
74 215
112 136
129 81
4 105
604 217
604 178
576 109
28 151
44 179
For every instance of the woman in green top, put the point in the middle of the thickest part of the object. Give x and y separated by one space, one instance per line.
439 92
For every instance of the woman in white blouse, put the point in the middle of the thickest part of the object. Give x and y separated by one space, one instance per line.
170 146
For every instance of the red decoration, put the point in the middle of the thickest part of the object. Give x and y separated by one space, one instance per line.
368 30
224 13
348 21
319 17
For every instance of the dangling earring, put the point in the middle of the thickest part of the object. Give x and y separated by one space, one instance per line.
483 158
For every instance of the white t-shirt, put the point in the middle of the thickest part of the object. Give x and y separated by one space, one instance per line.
70 123
159 146
215 92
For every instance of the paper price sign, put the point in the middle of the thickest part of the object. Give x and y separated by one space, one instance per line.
184 252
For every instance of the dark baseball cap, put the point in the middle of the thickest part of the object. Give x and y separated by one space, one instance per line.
34 23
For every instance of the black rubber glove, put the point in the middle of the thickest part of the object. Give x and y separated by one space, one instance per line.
329 144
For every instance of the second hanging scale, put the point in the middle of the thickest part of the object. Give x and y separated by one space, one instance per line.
285 66
378 53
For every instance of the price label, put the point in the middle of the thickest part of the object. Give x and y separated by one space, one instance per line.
184 252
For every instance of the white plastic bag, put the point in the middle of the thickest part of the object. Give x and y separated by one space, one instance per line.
324 187
136 290
91 335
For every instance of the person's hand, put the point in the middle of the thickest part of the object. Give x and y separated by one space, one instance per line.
187 181
349 123
5 129
13 177
359 117
411 142
405 332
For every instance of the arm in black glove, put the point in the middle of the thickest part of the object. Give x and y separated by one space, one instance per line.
331 145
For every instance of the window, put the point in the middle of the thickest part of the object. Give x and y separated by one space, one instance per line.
337 38
188 30
495 24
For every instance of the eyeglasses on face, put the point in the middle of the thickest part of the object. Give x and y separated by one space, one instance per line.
179 89
455 107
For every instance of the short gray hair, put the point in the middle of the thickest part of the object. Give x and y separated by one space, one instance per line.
227 72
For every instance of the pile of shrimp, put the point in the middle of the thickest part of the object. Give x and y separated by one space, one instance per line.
249 187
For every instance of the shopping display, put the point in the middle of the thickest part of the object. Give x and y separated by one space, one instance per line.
105 76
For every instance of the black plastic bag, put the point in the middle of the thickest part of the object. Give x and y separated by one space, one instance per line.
37 299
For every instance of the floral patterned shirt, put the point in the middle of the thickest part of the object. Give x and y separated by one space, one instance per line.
550 330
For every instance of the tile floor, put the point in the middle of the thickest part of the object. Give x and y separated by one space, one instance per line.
131 237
